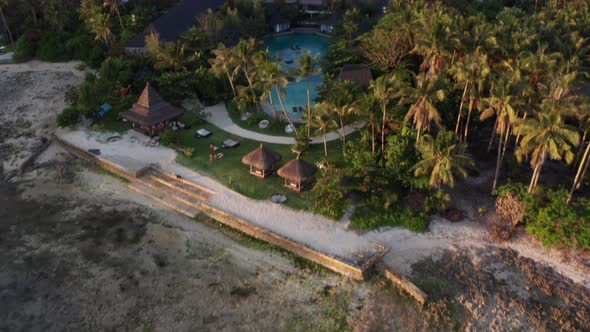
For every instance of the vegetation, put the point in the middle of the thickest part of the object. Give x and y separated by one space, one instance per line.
444 74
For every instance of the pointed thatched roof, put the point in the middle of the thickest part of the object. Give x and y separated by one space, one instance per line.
261 158
296 170
151 109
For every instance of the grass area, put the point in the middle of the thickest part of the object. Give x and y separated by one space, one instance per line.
276 127
230 171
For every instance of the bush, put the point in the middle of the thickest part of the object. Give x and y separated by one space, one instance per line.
396 215
24 49
547 215
52 47
436 201
326 196
69 117
168 137
188 152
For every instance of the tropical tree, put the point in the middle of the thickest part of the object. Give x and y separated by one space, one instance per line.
113 7
546 136
323 120
370 106
173 56
308 67
265 82
224 64
471 72
4 3
96 21
442 158
243 53
278 79
423 98
501 105
343 95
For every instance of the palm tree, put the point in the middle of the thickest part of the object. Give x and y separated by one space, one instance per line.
101 27
113 6
323 120
265 81
308 67
547 136
278 79
224 63
2 4
582 168
343 96
423 110
501 104
243 52
442 158
370 106
471 71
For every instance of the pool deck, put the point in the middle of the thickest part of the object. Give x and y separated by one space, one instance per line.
219 117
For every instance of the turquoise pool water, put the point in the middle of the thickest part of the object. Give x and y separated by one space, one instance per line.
285 49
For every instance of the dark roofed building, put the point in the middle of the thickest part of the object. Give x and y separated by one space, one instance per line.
296 173
151 113
357 73
174 22
278 23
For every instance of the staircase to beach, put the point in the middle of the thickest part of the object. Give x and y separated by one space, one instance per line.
165 189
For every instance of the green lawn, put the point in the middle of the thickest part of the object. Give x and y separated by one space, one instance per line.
276 128
230 171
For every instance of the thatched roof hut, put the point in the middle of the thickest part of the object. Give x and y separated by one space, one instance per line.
262 161
296 173
151 110
357 73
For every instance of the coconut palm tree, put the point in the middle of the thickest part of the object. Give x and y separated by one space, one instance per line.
471 71
276 76
265 82
546 136
114 6
323 120
343 95
501 105
442 158
243 53
102 28
423 98
370 106
308 67
224 63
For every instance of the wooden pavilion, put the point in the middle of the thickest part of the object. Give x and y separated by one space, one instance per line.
296 173
150 114
262 161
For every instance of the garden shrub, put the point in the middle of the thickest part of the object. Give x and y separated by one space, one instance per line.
69 117
52 46
327 197
24 49
168 137
397 215
547 215
188 152
436 201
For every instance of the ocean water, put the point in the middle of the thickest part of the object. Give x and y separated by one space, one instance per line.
285 49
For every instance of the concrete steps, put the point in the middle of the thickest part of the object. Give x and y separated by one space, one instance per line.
182 185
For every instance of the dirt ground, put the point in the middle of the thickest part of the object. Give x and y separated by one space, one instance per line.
79 251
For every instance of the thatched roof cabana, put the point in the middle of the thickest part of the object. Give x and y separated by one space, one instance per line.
151 110
262 161
357 73
296 173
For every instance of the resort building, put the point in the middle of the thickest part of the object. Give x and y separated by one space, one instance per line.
357 73
151 113
296 173
262 161
279 24
173 23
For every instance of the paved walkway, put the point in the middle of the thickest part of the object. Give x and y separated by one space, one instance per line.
219 117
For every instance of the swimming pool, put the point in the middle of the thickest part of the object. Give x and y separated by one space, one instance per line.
286 48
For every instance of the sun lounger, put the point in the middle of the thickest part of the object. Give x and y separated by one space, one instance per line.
203 133
230 143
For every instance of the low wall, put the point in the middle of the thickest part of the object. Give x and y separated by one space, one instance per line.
359 272
332 263
403 283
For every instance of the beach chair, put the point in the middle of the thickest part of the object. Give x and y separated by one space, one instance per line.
230 143
203 133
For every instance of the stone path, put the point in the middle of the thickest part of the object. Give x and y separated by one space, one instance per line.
219 117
